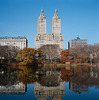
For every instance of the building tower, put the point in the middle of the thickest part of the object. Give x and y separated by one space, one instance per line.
54 38
42 23
56 24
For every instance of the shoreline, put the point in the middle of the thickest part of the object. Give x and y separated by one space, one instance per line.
54 65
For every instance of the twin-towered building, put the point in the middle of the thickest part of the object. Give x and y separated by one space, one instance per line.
43 38
54 38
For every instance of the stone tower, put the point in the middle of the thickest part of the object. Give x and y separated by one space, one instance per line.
54 38
56 24
42 23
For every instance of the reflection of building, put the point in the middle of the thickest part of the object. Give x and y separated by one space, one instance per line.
77 42
18 88
49 88
19 42
9 83
78 88
42 38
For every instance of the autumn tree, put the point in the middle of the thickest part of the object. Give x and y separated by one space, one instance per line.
29 56
50 52
65 56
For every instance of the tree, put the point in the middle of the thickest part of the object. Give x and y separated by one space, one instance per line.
65 56
85 54
29 56
12 53
8 53
96 53
50 52
79 54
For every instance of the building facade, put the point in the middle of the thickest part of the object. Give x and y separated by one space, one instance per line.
43 38
19 42
77 42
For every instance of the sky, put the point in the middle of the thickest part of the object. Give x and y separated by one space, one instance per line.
78 17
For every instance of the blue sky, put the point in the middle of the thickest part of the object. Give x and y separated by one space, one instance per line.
78 17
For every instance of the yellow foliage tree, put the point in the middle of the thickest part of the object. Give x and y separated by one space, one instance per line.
28 56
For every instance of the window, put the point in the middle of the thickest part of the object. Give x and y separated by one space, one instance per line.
36 38
7 43
39 37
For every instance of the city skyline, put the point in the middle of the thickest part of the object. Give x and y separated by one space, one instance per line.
79 17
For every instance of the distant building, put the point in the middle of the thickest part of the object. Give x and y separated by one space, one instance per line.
77 42
54 38
19 42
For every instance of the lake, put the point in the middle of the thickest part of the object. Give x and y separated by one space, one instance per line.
46 83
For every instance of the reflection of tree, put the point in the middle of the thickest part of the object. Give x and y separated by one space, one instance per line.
94 76
7 76
9 83
66 74
80 75
83 77
51 78
79 80
26 75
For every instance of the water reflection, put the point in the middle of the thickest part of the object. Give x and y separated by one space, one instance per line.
82 78
77 88
9 83
49 83
50 86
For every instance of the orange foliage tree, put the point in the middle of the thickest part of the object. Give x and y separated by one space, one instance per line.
65 56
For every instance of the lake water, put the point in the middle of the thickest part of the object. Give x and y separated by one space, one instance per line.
68 83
